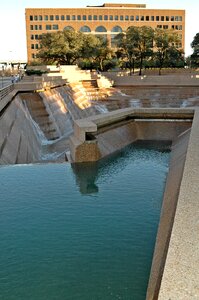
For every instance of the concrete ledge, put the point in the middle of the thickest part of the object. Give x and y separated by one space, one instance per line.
181 273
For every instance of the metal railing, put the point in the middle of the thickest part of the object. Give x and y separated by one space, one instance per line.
6 90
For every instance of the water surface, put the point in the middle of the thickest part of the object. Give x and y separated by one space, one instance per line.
86 232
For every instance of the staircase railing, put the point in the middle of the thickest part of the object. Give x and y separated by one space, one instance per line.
6 90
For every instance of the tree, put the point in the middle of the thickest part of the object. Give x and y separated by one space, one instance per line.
96 49
63 47
127 47
165 49
145 44
136 45
195 55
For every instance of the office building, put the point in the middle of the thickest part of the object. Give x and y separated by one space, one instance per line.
107 20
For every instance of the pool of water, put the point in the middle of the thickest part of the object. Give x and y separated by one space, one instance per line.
83 232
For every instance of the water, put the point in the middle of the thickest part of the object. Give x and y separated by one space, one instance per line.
85 232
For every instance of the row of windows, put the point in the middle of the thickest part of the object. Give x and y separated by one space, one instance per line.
115 30
105 18
113 44
101 28
35 46
175 27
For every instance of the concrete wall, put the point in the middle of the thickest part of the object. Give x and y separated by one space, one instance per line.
19 142
166 80
113 131
176 166
181 273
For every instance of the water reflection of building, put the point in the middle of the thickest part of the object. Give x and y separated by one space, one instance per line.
106 20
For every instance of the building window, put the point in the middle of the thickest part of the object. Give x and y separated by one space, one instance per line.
116 18
36 46
100 18
48 27
40 18
36 37
180 18
111 18
159 26
57 18
157 18
137 18
105 18
73 17
126 18
132 18
172 18
176 18
31 27
147 18
100 29
84 17
152 18
32 37
167 18
180 27
113 41
55 27
95 18
35 18
40 27
62 17
32 46
40 36
116 29
162 18
51 18
85 29
79 18
121 18
142 18
31 18
36 27
68 18
46 18
90 18
165 26
68 28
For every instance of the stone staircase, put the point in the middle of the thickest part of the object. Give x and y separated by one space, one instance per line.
40 115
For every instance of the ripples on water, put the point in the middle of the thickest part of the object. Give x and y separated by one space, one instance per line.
86 232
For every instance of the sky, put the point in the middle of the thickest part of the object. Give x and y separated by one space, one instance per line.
13 31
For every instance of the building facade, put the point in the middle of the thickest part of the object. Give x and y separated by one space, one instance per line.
107 20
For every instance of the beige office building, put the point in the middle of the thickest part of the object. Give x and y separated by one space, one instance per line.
108 20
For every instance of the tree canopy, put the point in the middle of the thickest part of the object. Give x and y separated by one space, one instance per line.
195 55
137 47
165 50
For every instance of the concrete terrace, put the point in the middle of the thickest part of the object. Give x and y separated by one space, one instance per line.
75 116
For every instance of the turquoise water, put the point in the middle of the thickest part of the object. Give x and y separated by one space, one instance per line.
86 232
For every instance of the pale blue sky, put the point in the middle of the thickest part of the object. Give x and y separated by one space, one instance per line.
12 20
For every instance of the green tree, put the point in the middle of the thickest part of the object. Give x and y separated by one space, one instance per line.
98 51
136 45
63 47
195 55
165 50
127 47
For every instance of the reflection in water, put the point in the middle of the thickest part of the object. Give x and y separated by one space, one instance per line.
88 174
